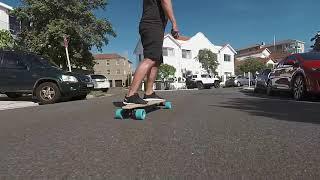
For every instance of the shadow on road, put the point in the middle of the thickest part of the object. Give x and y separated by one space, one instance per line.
280 96
148 109
23 98
278 107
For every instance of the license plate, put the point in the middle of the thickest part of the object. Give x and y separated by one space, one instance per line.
89 85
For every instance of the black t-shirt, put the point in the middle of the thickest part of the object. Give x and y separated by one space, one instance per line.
153 13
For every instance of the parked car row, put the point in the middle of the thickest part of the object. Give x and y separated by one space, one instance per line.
298 74
27 73
237 81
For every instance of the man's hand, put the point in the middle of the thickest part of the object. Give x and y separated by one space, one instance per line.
167 7
175 32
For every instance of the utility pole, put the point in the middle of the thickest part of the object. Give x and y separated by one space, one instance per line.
66 45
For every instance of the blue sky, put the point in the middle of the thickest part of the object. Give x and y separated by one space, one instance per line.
237 22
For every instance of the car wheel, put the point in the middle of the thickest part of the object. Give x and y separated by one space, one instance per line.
269 89
217 84
200 85
299 88
14 95
48 93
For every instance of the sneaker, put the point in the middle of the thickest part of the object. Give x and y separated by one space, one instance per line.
152 97
135 99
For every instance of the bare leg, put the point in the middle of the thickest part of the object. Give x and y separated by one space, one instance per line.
152 76
141 72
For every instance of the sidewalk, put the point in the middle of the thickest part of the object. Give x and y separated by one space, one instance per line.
7 103
4 105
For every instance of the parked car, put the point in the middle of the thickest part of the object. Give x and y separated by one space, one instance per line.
298 74
238 81
202 81
261 80
27 73
100 82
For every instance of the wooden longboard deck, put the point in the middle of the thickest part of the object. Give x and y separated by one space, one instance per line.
150 103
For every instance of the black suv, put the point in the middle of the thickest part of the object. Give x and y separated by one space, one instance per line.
27 73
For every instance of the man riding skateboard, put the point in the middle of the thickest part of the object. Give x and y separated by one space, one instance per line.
152 26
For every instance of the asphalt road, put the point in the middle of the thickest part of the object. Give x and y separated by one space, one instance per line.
210 134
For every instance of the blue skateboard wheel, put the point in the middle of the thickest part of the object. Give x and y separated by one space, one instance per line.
119 114
140 114
168 105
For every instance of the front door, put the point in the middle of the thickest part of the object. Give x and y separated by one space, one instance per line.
286 73
16 73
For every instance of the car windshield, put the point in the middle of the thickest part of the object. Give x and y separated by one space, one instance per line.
98 77
37 61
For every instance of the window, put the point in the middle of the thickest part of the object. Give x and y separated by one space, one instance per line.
168 52
118 71
290 58
186 54
118 62
12 61
140 57
108 63
108 72
204 76
227 58
98 77
14 25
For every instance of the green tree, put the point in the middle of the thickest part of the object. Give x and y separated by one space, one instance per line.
6 40
316 39
165 71
209 60
252 65
45 22
270 66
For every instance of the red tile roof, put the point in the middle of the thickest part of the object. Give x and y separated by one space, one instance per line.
106 56
183 38
252 52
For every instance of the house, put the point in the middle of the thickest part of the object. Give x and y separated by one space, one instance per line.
256 53
7 21
287 46
181 53
116 68
270 54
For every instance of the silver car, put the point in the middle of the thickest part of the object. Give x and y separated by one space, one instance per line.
238 81
100 82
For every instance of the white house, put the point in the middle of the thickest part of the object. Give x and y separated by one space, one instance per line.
260 53
182 54
4 16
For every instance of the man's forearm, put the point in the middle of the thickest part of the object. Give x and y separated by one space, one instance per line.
168 9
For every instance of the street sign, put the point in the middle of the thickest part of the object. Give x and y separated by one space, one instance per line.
65 41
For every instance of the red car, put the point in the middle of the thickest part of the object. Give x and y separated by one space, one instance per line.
298 74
